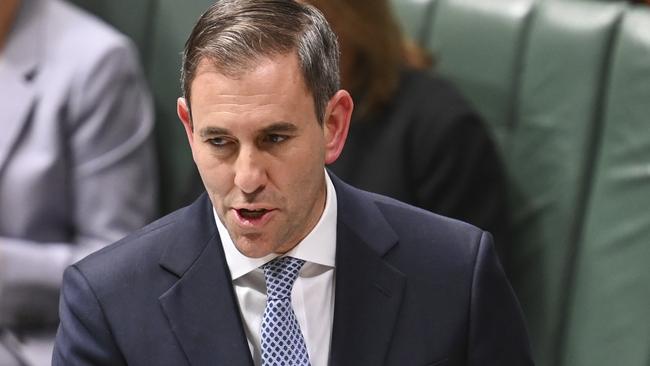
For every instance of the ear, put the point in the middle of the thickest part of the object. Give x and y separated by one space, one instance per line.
184 114
336 124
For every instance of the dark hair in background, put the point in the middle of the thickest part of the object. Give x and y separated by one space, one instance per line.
374 49
236 34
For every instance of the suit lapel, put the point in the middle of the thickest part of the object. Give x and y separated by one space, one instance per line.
17 76
19 98
368 289
201 307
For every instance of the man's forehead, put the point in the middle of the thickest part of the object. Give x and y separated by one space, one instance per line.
279 75
244 67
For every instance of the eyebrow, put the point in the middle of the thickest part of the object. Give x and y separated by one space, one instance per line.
278 127
212 131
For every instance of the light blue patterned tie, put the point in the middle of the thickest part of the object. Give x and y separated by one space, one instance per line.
282 340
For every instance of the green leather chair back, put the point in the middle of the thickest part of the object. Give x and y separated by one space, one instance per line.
478 46
550 77
413 16
609 304
172 25
550 156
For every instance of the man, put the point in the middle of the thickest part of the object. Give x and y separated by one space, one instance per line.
77 167
378 282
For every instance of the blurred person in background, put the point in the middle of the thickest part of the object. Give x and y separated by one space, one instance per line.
413 136
77 166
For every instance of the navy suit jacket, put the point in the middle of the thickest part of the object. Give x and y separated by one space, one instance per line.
412 288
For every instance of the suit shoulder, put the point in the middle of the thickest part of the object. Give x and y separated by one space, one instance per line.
409 215
431 246
95 44
147 243
76 24
439 233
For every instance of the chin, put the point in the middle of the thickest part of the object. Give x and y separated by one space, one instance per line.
251 249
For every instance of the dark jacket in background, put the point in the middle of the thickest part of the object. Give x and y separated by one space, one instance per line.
429 148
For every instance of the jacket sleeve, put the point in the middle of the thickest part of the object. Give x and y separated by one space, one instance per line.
84 337
497 331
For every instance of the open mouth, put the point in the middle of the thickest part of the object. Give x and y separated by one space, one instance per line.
251 214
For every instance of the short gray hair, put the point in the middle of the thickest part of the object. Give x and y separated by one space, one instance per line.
235 34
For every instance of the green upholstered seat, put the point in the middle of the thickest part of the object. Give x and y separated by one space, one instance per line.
550 155
413 15
477 45
609 309
564 85
171 27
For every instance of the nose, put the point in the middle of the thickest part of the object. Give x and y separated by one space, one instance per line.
250 174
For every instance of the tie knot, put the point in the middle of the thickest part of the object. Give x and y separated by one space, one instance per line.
280 274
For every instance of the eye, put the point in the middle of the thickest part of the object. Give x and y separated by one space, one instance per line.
218 141
275 138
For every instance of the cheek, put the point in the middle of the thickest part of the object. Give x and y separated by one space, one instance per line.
216 177
199 152
306 175
215 182
304 164
218 189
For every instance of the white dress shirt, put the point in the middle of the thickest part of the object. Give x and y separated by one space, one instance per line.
313 292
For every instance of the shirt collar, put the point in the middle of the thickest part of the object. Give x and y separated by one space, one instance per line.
319 246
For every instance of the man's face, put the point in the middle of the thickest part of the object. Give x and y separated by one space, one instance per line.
261 151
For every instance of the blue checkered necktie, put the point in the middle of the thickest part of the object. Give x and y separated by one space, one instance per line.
282 340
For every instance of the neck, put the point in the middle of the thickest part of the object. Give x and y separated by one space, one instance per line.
8 11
